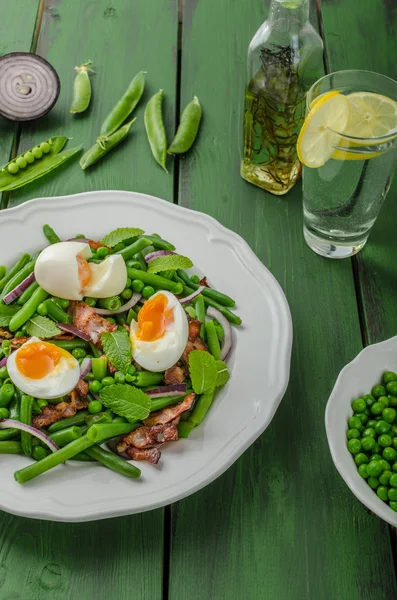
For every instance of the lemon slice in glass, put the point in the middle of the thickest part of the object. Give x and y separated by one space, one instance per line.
327 119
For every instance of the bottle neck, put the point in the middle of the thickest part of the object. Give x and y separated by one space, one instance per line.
288 15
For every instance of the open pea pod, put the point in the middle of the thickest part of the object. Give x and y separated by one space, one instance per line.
35 163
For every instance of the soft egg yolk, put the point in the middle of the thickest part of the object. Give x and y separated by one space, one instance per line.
39 359
153 319
84 271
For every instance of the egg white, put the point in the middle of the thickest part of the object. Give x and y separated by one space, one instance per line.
61 381
107 278
166 351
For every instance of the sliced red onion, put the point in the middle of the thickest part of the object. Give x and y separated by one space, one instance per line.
147 250
7 423
157 254
17 291
95 396
131 302
227 330
74 331
178 389
192 296
3 361
85 367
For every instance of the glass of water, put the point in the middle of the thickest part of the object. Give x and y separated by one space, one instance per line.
343 197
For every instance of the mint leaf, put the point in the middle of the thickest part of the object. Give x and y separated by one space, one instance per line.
203 371
223 373
6 313
169 262
119 235
117 348
42 327
126 401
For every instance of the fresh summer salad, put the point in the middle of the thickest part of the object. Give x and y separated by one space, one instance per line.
109 349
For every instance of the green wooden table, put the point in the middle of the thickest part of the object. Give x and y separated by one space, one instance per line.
279 524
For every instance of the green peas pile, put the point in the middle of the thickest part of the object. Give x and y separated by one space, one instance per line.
23 160
372 438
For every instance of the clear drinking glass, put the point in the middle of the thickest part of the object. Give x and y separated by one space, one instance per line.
342 199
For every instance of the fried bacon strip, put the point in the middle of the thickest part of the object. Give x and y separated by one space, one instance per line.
88 321
170 413
179 372
152 455
53 413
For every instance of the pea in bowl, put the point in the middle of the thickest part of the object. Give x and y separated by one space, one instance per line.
361 463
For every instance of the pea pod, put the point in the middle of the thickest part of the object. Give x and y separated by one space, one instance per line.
155 129
104 145
81 89
188 128
124 106
43 165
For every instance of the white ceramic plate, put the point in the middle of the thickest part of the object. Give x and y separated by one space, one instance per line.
356 379
259 362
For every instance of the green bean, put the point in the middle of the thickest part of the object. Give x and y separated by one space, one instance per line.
188 128
50 234
6 394
10 448
83 457
200 313
70 344
212 340
27 310
65 436
26 417
112 303
104 417
135 247
159 243
160 403
99 367
103 145
81 88
94 350
56 312
140 258
24 297
209 292
155 129
201 408
38 169
113 462
99 433
124 106
121 319
9 434
154 280
53 460
185 428
18 278
147 378
77 419
25 258
3 271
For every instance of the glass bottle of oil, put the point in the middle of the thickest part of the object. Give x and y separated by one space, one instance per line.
285 57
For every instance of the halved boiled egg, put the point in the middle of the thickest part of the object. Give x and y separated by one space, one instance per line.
62 270
43 370
160 336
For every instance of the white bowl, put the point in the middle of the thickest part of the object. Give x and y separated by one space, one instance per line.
259 362
358 378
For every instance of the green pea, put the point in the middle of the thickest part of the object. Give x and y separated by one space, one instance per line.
384 400
3 372
384 478
394 443
393 432
95 407
107 381
195 279
392 400
371 423
21 162
361 459
369 399
95 386
377 408
119 377
382 493
126 294
19 333
13 168
354 445
374 468
363 471
384 440
382 427
394 466
367 443
373 482
369 432
359 405
362 416
45 147
129 378
37 153
38 453
393 480
137 285
389 376
29 157
147 291
385 464
78 352
392 493
102 252
90 301
389 415
393 506
389 454
375 457
391 387
42 309
131 370
4 413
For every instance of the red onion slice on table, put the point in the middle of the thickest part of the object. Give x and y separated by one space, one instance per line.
104 312
192 296
179 389
227 330
17 291
29 86
11 423
74 331
153 255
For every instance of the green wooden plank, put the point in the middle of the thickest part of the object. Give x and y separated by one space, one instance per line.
119 38
16 33
280 523
377 262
